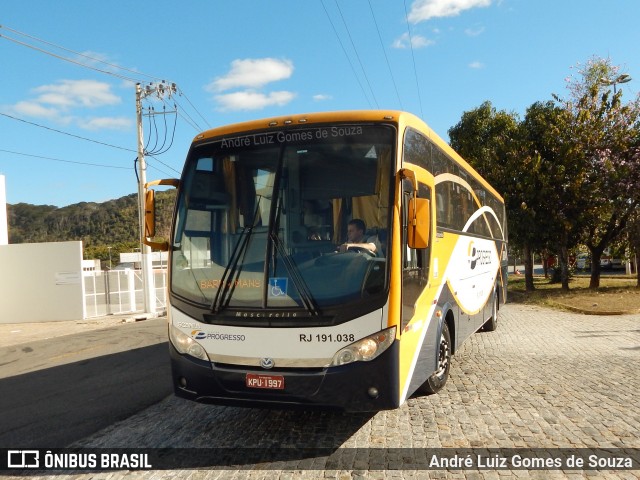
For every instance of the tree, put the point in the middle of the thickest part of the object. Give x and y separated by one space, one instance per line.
492 142
602 142
569 173
633 230
554 180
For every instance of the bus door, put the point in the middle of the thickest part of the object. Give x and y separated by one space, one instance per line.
417 355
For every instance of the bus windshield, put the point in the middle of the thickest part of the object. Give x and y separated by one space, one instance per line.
260 219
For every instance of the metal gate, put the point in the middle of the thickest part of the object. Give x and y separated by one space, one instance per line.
120 291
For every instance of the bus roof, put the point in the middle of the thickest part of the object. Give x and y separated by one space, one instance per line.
303 119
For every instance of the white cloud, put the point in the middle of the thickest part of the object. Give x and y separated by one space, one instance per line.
322 97
77 93
476 65
249 76
62 103
422 10
474 32
252 100
34 109
252 73
417 41
106 123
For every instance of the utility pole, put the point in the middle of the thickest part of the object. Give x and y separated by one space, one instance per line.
148 280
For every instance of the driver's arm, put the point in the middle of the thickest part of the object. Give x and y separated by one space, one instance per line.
369 246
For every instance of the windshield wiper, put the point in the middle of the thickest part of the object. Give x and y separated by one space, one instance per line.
296 277
223 294
276 245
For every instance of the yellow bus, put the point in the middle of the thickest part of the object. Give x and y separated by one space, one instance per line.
332 260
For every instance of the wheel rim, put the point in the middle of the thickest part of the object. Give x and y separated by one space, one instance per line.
443 356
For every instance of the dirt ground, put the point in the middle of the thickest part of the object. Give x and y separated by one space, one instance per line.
617 294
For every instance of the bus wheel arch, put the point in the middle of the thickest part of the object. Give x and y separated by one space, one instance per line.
438 379
449 319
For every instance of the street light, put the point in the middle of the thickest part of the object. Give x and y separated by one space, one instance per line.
624 78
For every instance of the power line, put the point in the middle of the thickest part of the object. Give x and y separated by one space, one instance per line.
88 57
187 118
166 174
152 117
384 50
162 148
62 160
67 133
60 57
95 141
190 121
357 55
162 163
345 53
153 152
148 165
53 159
182 94
415 70
172 90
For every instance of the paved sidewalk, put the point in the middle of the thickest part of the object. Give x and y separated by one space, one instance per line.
17 333
545 379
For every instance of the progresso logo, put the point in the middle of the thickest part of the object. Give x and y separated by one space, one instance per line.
199 334
202 335
477 256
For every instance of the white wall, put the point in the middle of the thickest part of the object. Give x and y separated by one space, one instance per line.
4 229
41 282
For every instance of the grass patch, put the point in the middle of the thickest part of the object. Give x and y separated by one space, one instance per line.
617 294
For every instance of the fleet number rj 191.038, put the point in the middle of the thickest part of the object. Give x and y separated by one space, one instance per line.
328 337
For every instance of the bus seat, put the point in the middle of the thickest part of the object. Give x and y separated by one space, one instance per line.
381 236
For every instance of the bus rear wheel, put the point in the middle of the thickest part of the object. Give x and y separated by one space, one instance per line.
491 324
438 379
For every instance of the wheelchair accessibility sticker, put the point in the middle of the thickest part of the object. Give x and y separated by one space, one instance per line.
278 286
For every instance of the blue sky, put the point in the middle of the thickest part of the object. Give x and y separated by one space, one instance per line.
68 134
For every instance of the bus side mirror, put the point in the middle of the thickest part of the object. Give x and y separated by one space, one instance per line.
419 223
150 213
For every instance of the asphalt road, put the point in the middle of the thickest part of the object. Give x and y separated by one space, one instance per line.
56 391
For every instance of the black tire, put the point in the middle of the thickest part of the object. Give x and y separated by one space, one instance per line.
439 378
491 324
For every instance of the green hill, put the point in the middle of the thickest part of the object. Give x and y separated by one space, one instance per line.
99 225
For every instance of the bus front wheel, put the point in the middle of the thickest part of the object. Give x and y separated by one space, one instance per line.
438 379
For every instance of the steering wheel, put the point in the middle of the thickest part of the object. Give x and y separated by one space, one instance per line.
361 250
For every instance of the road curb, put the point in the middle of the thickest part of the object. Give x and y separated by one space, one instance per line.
12 334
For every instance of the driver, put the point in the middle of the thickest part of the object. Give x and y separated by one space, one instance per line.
356 237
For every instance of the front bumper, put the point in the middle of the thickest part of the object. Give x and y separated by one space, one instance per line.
349 387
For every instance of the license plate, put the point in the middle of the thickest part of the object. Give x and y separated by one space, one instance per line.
272 382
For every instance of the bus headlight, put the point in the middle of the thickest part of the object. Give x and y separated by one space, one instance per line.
185 344
365 349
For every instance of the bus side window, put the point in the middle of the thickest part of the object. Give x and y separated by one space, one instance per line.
415 262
